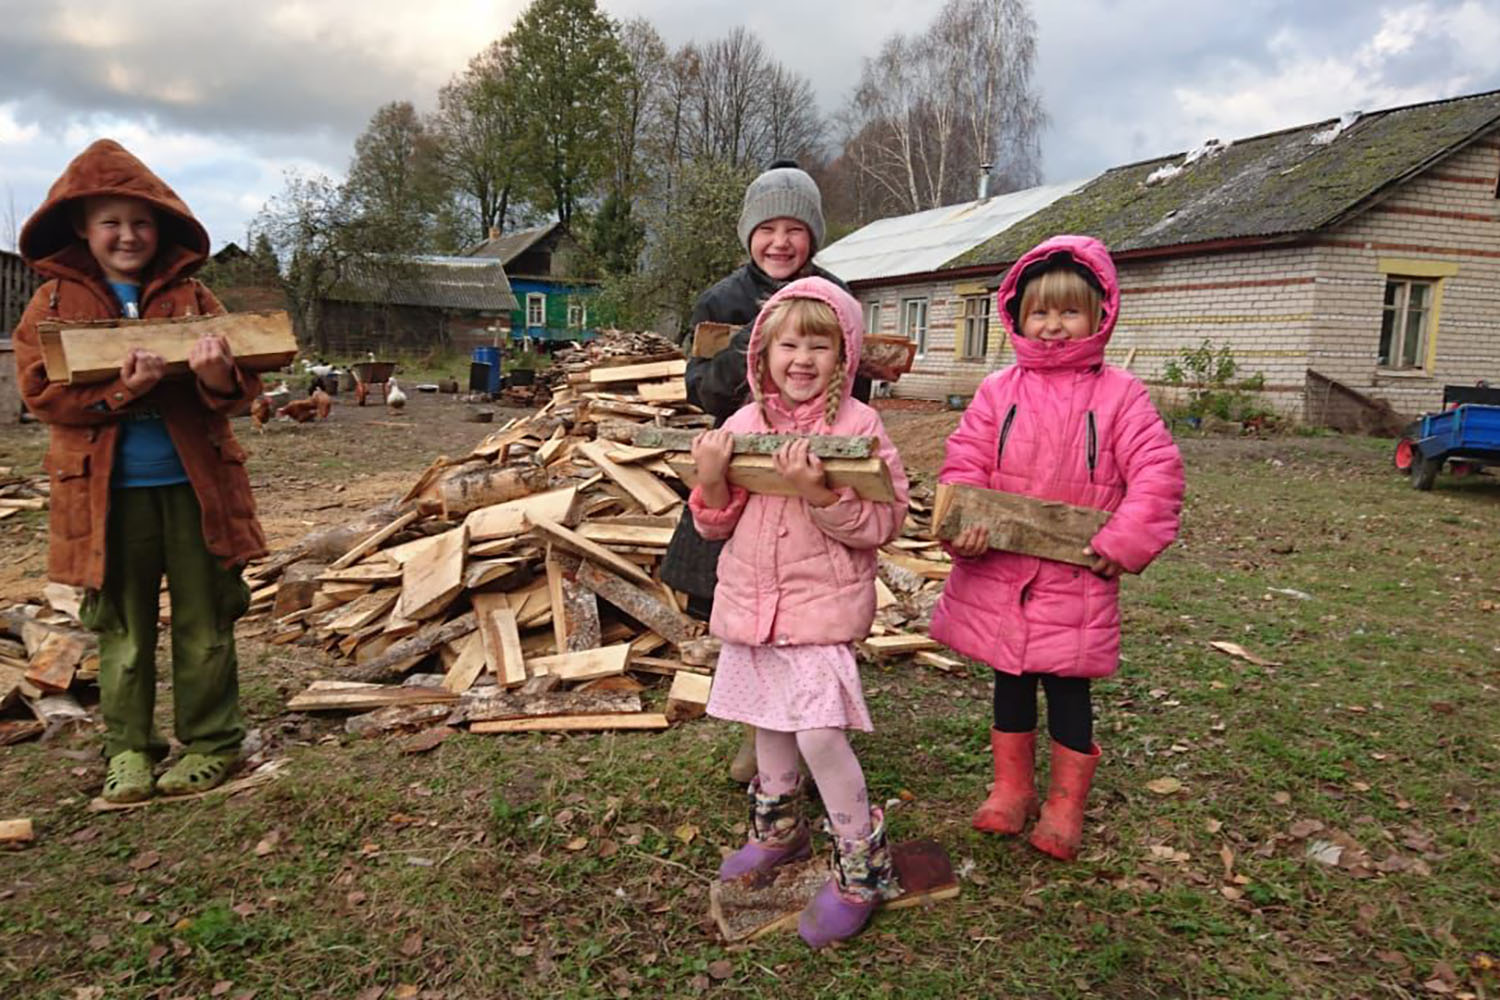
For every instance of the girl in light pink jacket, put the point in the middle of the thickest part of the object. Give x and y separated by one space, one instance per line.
796 588
1059 424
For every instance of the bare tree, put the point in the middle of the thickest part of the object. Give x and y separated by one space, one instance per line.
311 227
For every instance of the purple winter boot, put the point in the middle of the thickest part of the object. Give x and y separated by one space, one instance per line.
778 834
863 875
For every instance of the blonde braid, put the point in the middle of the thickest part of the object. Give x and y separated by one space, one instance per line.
835 391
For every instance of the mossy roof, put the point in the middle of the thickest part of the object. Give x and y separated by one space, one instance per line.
1278 184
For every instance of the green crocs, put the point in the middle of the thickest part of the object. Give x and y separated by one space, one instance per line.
196 772
128 778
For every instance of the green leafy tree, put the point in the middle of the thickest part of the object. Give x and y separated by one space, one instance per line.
477 133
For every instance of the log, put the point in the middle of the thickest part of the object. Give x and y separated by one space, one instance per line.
575 611
415 647
372 541
688 696
489 708
572 723
868 477
1045 528
822 445
469 490
643 606
83 353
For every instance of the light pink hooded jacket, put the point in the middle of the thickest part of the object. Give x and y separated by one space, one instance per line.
1059 424
793 573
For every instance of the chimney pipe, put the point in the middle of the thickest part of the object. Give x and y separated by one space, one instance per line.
984 181
494 232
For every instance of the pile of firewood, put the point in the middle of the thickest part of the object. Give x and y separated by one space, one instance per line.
44 653
517 588
18 492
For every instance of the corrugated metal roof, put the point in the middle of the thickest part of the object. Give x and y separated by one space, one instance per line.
436 281
925 241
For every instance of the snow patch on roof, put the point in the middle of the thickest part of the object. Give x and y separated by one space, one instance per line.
1335 130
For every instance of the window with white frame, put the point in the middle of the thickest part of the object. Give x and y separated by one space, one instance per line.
914 323
976 326
872 316
536 309
578 315
1405 323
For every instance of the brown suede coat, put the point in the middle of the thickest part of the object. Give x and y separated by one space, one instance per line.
84 420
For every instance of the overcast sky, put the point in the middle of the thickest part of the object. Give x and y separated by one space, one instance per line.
221 98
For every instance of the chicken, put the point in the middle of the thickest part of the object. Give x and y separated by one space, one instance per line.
361 392
394 397
260 412
317 369
300 410
322 402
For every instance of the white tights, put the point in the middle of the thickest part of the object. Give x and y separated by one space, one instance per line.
841 781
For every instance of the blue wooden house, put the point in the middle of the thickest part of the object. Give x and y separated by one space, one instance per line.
552 302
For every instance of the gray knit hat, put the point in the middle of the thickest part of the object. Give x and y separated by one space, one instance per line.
783 191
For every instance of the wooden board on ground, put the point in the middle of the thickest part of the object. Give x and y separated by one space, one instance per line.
747 909
82 353
1045 528
650 492
357 697
606 661
431 581
637 373
688 697
822 445
55 660
868 477
573 723
16 831
898 644
502 640
711 338
509 705
514 516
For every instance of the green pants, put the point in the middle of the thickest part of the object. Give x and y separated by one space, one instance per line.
155 530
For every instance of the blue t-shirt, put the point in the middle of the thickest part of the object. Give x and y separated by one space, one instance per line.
144 455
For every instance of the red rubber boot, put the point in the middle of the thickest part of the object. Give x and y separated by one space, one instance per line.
1060 829
1012 801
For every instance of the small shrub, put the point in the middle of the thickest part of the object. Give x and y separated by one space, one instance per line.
1213 391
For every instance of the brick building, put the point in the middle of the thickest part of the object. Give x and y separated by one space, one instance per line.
1354 259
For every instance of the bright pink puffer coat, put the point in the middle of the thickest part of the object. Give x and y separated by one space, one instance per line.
1059 424
793 573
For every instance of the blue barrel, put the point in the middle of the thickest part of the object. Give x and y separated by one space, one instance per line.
484 373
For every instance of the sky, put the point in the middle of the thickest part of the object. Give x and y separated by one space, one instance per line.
223 97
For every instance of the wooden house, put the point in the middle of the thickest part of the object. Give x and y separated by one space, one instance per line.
417 304
542 263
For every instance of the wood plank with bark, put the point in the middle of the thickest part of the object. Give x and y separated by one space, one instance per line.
515 705
606 661
868 477
642 605
573 723
650 492
577 544
575 610
414 647
821 445
367 696
84 353
1045 528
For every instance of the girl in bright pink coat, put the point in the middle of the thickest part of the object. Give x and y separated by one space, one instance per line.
796 587
1059 424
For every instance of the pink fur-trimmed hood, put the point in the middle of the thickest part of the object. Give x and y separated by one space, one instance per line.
851 323
1091 259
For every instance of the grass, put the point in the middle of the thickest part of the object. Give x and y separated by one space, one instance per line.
533 866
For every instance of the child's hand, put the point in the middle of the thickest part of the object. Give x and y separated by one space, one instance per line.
972 541
1103 565
141 370
712 451
212 361
795 462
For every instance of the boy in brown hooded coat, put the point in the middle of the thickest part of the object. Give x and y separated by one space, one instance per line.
147 477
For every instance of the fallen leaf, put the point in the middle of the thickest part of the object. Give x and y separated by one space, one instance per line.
1212 826
1304 828
144 860
1282 798
411 945
1240 652
721 969
1227 856
608 848
268 843
1164 786
406 991
425 741
141 917
1230 892
355 898
685 833
222 987
155 955
1324 852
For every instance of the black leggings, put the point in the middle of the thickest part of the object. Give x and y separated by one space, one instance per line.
1070 712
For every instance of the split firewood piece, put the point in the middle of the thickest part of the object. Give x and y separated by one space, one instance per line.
821 445
650 492
1045 528
883 596
640 410
514 705
532 604
394 717
898 643
947 664
573 723
702 652
711 338
83 353
500 637
608 533
497 574
431 580
672 390
575 610
372 541
19 730
576 543
551 446
688 696
514 517
64 598
55 659
637 373
606 661
348 697
374 573
468 666
16 831
928 569
413 648
364 611
465 490
643 606
870 478
299 585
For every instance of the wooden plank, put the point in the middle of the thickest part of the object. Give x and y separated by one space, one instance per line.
497 574
372 573
688 696
1017 523
364 611
650 492
532 605
16 831
673 390
710 338
606 661
501 638
372 541
572 723
574 542
55 661
642 605
368 696
514 516
632 373
508 705
868 477
575 610
898 643
612 533
821 445
928 569
947 664
92 352
431 581
629 454
469 665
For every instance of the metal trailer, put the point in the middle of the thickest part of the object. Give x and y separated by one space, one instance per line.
1466 434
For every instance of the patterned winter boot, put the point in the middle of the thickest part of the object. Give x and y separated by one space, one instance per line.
1060 829
863 875
778 834
1012 799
